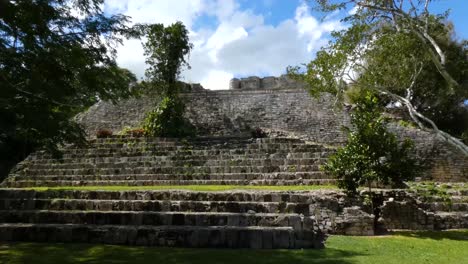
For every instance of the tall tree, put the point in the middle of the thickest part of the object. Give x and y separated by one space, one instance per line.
401 51
57 57
167 49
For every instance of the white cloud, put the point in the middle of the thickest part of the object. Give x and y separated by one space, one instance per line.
217 79
239 44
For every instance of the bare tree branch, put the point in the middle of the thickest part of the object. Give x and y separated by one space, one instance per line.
417 117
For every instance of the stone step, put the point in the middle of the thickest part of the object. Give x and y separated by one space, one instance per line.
306 197
207 145
225 148
197 143
168 236
116 159
38 183
171 170
454 198
156 218
185 147
451 220
62 204
197 140
175 162
446 206
196 176
91 153
181 149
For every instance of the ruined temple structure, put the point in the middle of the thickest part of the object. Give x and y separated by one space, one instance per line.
301 133
279 105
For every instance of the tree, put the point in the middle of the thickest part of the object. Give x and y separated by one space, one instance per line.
166 49
402 52
53 64
371 154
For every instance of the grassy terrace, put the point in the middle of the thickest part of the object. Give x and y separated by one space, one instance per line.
205 188
405 247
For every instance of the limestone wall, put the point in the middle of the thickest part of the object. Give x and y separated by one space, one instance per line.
293 111
239 112
234 112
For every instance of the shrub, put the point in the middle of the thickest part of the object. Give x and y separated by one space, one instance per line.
372 154
258 133
103 133
133 132
167 120
137 132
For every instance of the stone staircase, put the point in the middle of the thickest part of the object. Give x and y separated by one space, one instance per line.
208 161
237 219
232 219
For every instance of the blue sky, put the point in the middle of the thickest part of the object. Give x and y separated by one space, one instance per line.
458 14
238 38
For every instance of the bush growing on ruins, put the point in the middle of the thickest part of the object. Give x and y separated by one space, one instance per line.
134 132
372 154
167 120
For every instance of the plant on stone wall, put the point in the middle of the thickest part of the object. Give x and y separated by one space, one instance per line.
133 132
372 154
167 120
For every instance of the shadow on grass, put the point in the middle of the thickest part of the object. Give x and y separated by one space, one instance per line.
458 235
87 253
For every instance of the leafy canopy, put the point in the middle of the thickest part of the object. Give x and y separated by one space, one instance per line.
403 53
53 64
166 49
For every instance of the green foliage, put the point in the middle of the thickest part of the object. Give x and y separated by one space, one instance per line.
405 123
372 154
167 120
53 65
384 49
133 132
166 49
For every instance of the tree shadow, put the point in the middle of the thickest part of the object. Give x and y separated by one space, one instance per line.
94 254
458 235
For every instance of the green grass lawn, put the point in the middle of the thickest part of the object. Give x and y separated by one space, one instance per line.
424 247
206 188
